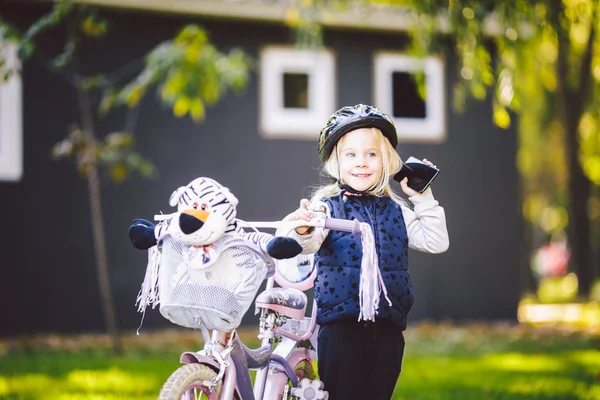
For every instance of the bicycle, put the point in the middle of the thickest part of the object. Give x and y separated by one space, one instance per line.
216 298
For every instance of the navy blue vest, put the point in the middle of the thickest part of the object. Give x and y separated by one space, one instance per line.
338 261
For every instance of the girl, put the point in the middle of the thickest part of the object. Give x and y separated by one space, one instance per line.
360 358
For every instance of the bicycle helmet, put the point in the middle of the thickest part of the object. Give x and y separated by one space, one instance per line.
349 118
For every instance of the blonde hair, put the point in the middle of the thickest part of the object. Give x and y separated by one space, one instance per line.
391 164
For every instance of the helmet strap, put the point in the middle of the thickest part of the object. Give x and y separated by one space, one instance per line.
348 190
337 158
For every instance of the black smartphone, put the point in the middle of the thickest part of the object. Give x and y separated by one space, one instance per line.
420 175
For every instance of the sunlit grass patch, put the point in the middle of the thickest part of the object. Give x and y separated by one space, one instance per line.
27 385
559 387
588 358
496 376
81 384
500 361
101 396
525 362
112 380
71 375
443 362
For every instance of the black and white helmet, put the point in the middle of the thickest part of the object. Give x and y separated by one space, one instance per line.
349 118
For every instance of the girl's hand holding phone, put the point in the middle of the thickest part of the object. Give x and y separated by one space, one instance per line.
404 182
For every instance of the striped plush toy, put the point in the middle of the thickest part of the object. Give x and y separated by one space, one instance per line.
206 210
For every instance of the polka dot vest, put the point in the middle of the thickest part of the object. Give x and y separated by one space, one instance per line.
338 261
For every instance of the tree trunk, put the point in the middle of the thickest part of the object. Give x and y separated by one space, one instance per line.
571 101
579 193
527 279
98 222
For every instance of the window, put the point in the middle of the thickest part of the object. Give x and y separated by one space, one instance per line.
397 93
297 92
11 164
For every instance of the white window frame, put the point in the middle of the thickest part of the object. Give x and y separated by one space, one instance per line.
276 121
432 128
11 116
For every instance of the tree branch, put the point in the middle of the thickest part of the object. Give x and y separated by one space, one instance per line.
585 69
562 69
132 117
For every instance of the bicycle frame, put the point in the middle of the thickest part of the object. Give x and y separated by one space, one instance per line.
224 352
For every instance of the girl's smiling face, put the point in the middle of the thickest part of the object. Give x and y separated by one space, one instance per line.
360 159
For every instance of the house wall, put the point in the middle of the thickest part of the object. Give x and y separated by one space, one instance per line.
49 279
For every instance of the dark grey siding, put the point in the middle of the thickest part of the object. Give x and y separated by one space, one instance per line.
48 274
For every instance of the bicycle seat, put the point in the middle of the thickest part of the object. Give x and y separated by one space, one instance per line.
286 301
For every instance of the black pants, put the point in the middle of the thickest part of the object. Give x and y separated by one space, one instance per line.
360 361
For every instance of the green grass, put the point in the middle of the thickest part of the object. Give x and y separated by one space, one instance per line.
443 361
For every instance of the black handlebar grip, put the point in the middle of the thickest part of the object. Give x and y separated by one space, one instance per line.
343 225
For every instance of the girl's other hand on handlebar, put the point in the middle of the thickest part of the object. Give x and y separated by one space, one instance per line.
302 213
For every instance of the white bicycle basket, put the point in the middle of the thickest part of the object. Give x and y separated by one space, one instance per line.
215 296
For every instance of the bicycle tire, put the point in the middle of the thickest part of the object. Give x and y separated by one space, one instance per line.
184 377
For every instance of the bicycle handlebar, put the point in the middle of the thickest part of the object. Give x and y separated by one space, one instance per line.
320 220
344 225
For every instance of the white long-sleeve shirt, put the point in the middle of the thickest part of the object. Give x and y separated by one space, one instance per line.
425 225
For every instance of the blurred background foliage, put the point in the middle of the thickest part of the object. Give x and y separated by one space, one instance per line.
537 60
187 71
534 60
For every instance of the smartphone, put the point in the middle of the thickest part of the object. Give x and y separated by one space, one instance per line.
420 175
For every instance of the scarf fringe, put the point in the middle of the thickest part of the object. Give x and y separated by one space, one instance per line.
148 294
371 282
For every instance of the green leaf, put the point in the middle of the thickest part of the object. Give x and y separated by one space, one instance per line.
197 109
501 117
189 73
147 169
181 107
120 140
108 101
118 172
134 95
93 26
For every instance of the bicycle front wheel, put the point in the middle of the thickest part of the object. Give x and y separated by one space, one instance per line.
186 383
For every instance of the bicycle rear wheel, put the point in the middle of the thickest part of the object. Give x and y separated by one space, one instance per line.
186 383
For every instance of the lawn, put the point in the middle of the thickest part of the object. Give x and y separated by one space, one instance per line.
443 361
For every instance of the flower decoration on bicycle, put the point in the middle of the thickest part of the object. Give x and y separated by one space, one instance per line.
203 269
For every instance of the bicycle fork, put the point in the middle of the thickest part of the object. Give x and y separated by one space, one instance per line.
271 381
219 361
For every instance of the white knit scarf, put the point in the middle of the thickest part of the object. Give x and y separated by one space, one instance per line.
371 282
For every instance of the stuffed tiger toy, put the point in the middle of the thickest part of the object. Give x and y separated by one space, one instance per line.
206 210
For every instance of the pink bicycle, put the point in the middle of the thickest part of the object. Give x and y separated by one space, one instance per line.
216 298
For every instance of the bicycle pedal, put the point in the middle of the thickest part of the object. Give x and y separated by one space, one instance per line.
310 390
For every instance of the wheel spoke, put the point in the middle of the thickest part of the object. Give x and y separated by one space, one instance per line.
195 392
